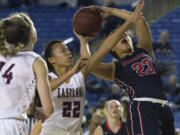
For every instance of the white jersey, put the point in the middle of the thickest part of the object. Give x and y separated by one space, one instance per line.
17 84
69 99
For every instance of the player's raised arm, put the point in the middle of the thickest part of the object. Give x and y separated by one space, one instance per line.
144 36
142 28
110 42
105 71
55 83
84 45
41 72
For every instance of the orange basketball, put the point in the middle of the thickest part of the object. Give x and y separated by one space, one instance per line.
87 21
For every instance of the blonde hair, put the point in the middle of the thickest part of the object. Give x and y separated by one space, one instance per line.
14 33
116 101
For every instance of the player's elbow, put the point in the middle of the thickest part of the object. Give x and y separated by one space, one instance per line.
141 20
49 110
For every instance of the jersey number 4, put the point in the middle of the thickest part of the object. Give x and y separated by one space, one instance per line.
139 67
71 109
7 74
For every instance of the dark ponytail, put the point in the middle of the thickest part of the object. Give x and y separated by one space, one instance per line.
165 68
48 53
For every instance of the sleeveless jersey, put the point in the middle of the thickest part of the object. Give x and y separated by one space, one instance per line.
17 84
107 130
137 75
69 99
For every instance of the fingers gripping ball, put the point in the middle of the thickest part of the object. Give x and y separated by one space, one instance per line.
87 21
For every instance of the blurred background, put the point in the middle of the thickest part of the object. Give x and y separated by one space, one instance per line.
53 20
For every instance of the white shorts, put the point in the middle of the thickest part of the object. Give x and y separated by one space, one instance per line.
55 131
13 127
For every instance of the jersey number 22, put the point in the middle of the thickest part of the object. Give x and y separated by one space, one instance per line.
71 109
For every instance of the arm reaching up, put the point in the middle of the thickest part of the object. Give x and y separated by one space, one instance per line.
84 43
55 83
142 28
111 41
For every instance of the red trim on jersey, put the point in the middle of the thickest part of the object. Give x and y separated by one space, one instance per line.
140 118
108 127
134 59
131 119
121 124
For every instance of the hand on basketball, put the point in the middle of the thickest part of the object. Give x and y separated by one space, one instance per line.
104 11
83 38
79 65
138 12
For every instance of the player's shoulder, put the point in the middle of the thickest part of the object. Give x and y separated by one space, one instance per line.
140 50
29 54
77 76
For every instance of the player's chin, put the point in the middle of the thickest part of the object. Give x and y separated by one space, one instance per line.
128 49
114 115
70 63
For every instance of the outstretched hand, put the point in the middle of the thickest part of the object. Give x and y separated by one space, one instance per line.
105 12
137 12
79 65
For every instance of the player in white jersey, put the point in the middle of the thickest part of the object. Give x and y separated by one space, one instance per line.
68 85
20 70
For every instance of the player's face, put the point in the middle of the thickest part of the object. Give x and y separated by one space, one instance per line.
124 45
114 109
61 56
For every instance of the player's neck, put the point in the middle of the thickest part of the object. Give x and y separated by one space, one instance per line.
61 71
113 122
122 55
29 47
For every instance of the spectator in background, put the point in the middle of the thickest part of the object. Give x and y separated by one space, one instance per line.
100 110
171 87
14 3
83 3
3 3
114 124
109 3
115 92
163 47
64 5
172 90
30 2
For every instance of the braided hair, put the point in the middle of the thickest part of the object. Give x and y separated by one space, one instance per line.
14 33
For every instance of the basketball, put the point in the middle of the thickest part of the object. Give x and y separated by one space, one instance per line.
87 21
